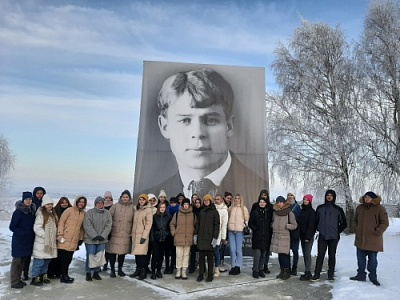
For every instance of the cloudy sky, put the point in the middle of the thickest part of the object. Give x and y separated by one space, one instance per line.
71 73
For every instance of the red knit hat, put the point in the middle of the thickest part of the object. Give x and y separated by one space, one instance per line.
309 197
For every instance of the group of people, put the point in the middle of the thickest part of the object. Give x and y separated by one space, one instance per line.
186 233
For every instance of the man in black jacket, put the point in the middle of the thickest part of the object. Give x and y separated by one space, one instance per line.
330 222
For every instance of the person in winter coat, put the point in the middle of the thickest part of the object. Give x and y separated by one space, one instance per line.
97 225
238 219
122 214
159 234
153 201
170 252
371 221
37 195
295 236
141 235
307 230
162 198
260 223
182 229
283 220
330 221
264 194
222 210
206 235
21 226
193 249
54 268
228 199
69 235
45 245
108 203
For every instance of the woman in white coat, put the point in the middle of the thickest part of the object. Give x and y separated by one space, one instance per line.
45 245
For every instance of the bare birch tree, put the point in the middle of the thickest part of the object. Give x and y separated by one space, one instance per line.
379 63
6 163
313 132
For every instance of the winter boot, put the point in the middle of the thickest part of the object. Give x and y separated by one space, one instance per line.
315 278
294 271
286 274
280 274
222 267
266 270
65 279
184 273
216 272
36 281
96 276
256 274
44 278
261 274
88 277
358 277
143 274
120 272
18 285
375 282
153 275
136 273
112 272
306 276
159 274
210 278
105 268
200 278
178 274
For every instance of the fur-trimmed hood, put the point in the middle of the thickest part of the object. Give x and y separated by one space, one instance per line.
375 201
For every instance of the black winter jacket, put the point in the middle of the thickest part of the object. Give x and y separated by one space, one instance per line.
260 224
160 228
306 222
207 227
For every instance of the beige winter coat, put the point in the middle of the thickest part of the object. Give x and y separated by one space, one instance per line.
182 227
70 227
281 224
122 221
237 219
142 223
40 232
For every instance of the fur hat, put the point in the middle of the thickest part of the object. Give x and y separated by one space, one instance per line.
309 197
208 197
280 199
162 193
26 195
144 196
98 199
46 200
371 194
186 200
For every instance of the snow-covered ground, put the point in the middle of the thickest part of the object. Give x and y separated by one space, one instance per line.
346 266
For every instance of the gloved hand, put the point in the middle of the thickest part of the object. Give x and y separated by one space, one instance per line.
214 243
96 238
80 242
100 238
142 240
224 242
195 239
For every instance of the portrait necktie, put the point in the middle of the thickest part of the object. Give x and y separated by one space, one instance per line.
202 187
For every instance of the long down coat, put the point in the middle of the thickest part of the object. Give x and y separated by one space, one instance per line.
182 227
260 223
122 221
281 225
70 226
142 223
40 232
371 221
207 227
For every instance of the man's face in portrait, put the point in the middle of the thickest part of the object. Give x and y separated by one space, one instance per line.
198 136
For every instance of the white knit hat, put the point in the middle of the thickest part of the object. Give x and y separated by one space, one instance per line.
46 200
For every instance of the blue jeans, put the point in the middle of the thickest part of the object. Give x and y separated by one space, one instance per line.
217 255
93 249
236 244
362 263
294 246
40 266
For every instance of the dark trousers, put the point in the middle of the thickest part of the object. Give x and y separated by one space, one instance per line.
27 262
306 248
140 261
65 258
107 257
149 252
331 245
113 258
284 260
294 246
210 261
362 263
17 265
170 253
192 257
158 255
54 268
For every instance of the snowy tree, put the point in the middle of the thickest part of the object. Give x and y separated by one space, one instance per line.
379 64
6 163
313 133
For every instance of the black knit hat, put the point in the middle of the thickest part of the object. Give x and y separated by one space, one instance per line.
173 200
371 194
280 199
186 200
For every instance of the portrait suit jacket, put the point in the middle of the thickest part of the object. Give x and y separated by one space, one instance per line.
238 180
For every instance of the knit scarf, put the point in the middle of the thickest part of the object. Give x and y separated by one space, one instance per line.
50 235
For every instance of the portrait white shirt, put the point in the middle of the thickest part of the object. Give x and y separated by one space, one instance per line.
216 176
